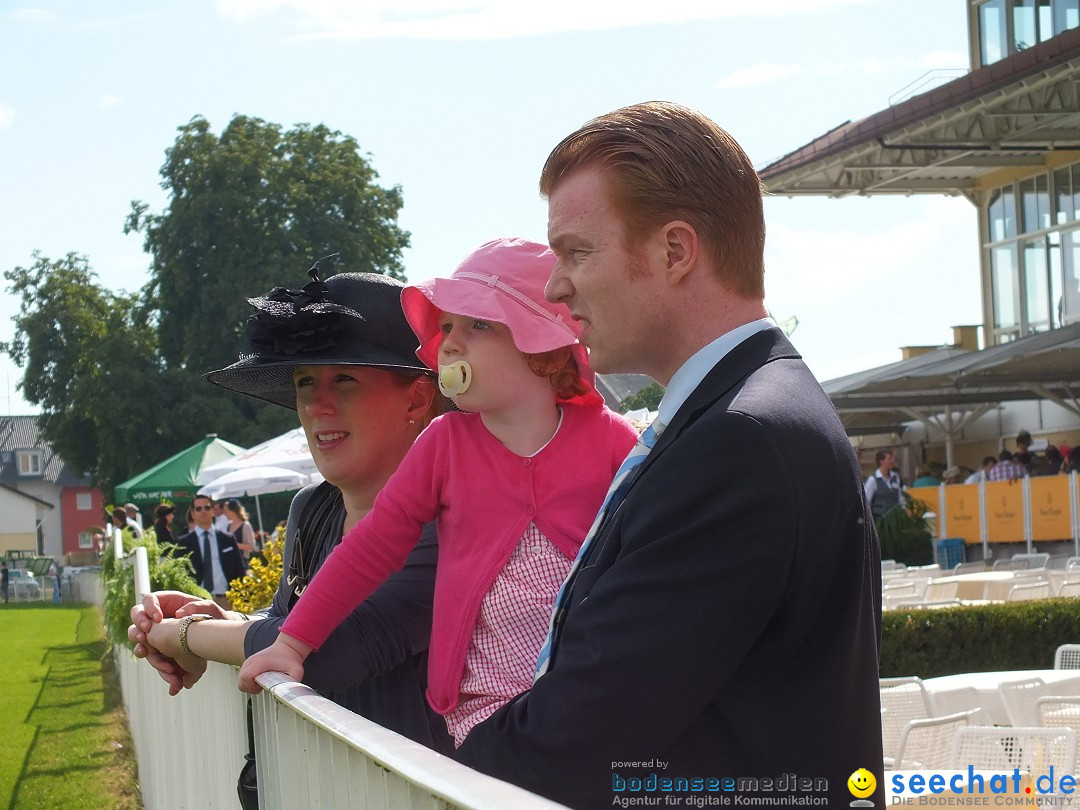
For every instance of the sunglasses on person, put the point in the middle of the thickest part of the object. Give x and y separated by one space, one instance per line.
202 508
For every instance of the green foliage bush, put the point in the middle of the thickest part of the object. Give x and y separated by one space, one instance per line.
977 638
903 534
118 579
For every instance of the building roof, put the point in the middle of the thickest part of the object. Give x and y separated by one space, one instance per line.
24 433
21 494
954 139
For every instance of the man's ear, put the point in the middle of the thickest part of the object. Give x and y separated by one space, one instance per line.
682 250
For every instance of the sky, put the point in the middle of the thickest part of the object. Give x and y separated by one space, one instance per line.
458 102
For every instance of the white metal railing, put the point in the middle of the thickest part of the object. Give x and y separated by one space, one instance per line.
311 752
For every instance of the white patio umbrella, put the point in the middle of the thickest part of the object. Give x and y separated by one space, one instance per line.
289 451
256 481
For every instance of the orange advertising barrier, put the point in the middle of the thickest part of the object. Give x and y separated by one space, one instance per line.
961 517
1050 513
1005 511
927 496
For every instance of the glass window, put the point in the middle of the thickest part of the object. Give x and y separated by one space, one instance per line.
992 36
1004 279
83 501
1063 199
1036 292
86 539
1053 245
1066 15
29 462
1024 24
1035 197
1046 20
1002 214
1070 259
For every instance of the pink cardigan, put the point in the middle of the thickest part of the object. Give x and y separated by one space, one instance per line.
482 497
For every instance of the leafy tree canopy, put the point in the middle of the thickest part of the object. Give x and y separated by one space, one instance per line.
648 397
118 376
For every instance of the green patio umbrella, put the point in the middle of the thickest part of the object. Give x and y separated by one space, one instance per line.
174 478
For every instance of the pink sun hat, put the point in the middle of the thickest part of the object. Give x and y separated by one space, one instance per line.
501 281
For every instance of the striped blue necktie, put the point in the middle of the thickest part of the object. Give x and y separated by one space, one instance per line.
616 493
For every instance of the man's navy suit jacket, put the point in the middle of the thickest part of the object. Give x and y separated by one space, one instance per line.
232 561
726 622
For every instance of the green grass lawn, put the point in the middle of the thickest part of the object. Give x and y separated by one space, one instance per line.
64 741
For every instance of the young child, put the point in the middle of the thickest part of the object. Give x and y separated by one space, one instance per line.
513 481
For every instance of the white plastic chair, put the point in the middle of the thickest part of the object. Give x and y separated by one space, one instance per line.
966 699
1072 562
1056 711
1019 698
1070 588
1067 656
1010 565
1026 591
975 567
903 700
1003 748
926 743
1034 560
892 565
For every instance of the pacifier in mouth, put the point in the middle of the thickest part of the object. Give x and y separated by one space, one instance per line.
455 378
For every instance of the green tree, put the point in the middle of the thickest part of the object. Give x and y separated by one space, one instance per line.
86 353
251 209
648 397
118 376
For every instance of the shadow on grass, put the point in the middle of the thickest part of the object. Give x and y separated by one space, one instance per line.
81 753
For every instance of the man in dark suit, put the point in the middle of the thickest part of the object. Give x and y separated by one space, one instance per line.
719 634
226 562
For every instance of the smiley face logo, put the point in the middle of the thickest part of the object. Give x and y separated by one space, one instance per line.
861 783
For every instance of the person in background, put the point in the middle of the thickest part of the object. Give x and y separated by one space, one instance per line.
1007 469
135 515
1072 460
883 489
953 475
5 579
239 526
924 477
221 520
163 518
981 474
214 555
1050 463
54 577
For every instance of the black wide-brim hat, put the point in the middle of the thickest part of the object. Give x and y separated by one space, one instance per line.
351 319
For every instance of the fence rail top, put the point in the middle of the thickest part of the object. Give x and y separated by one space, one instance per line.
449 780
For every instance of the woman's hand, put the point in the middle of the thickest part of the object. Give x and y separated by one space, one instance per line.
284 655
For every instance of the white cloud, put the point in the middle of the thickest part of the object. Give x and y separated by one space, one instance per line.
497 19
29 15
758 74
109 101
7 116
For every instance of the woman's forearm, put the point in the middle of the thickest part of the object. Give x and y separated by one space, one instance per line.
219 640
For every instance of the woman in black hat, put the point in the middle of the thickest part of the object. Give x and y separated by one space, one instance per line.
343 350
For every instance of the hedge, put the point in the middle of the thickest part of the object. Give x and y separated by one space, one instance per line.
977 638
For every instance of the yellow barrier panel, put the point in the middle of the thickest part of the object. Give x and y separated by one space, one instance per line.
961 512
1051 516
1005 511
927 496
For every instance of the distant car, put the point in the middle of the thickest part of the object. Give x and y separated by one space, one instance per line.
22 585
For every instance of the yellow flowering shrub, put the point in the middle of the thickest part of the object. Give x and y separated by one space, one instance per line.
256 589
